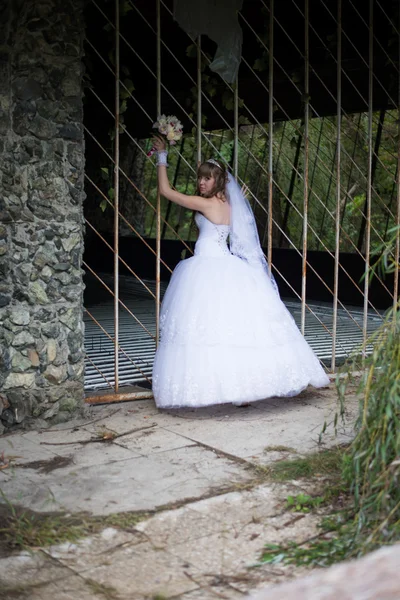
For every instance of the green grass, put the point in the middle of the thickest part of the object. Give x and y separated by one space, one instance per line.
367 472
304 502
23 528
318 464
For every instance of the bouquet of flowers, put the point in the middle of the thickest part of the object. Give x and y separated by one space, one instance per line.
169 127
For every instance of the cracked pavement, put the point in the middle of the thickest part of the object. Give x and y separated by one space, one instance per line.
194 471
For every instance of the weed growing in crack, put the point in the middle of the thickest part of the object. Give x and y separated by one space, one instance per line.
303 502
24 528
321 463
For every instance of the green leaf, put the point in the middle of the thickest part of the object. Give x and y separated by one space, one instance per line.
111 193
103 205
129 85
227 100
125 8
191 51
260 64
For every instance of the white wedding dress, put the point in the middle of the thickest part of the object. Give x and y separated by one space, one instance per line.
225 335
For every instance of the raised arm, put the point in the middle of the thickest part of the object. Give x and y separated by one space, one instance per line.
192 202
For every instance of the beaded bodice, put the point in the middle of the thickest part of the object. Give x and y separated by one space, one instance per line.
212 240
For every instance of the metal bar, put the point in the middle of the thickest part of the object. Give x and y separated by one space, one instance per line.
116 199
306 159
271 130
397 244
121 397
158 205
338 182
236 128
369 179
199 98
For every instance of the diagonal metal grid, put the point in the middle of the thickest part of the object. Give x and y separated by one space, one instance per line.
141 348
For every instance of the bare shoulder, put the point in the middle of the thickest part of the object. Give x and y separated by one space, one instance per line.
217 210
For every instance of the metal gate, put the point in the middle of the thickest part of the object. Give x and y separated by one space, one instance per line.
322 177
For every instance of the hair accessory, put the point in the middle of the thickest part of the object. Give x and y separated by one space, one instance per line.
214 162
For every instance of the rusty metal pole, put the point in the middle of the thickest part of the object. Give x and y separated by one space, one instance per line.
270 129
338 180
199 105
397 246
306 159
158 205
116 201
369 175
236 129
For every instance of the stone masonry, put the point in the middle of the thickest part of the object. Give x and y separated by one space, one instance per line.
41 216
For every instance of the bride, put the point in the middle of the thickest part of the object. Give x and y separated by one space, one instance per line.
225 335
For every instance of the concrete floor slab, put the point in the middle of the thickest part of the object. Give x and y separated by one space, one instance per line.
153 440
239 545
30 568
142 483
95 550
18 448
246 431
96 454
173 527
145 573
70 588
246 506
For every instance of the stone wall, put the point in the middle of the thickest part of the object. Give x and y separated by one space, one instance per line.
41 223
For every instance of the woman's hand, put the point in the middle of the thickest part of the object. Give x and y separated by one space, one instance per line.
159 143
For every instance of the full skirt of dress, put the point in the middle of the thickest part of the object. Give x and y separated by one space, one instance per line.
226 337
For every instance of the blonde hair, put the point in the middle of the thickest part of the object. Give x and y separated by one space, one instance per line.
214 169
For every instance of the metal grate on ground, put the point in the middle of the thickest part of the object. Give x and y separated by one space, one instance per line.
140 347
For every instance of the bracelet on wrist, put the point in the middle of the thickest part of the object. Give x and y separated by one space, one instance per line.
162 158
